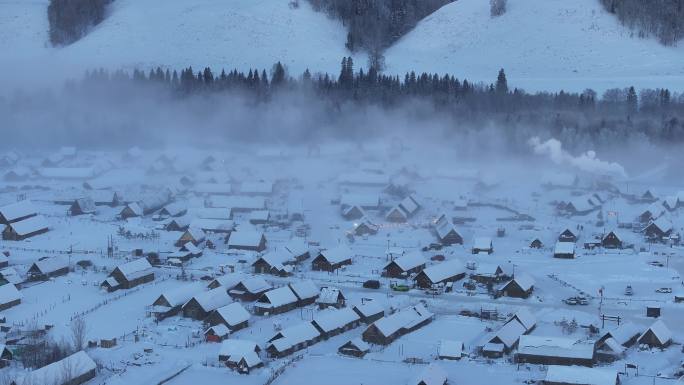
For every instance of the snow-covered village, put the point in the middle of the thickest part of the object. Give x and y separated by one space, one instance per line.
341 192
368 267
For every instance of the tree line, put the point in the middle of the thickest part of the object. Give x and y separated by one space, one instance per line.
663 19
373 25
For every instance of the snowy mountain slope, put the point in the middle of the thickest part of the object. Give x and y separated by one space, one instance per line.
542 44
178 33
23 27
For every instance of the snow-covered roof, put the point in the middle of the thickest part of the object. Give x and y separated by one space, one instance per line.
9 293
86 204
17 210
510 333
331 319
213 299
624 332
180 295
433 374
295 335
233 314
360 344
369 308
237 350
49 265
276 297
135 269
219 330
409 205
11 275
255 284
228 281
409 261
660 331
449 348
245 238
525 281
78 364
304 289
525 317
29 225
337 254
564 248
579 375
663 223
405 318
441 271
555 347
328 295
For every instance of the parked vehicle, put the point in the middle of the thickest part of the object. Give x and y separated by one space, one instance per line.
398 287
664 290
629 291
372 284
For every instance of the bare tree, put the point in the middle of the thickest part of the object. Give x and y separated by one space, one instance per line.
497 7
79 329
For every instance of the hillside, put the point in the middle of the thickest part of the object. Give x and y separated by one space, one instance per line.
542 44
143 34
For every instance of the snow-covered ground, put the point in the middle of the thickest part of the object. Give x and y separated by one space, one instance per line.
479 197
542 45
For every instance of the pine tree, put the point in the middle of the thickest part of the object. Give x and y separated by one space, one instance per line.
632 101
501 83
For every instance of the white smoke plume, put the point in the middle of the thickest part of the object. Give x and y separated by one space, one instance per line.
587 161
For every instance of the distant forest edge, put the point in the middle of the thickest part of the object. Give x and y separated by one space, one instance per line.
663 19
70 20
616 116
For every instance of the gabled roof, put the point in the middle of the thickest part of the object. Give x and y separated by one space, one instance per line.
233 314
369 308
525 317
180 295
442 271
337 254
276 297
328 295
79 364
624 333
135 269
213 299
331 319
433 374
403 319
255 284
660 331
18 210
525 281
49 265
29 225
245 238
510 333
449 348
295 335
555 347
409 205
409 261
304 289
237 350
9 293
